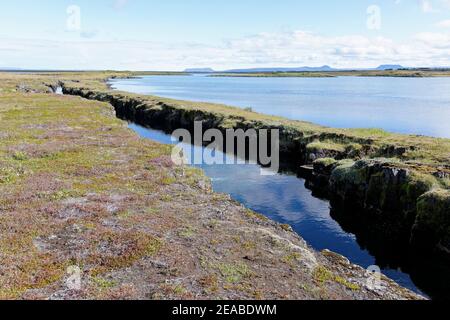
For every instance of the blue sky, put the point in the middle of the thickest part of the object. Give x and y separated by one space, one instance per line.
176 34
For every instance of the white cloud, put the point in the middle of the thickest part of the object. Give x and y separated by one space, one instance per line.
445 3
434 40
426 6
119 4
443 24
429 6
288 49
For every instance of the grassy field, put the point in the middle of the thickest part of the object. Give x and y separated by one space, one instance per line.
80 190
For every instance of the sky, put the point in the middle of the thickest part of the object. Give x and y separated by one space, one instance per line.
222 34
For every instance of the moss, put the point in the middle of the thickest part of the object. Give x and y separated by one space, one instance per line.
61 195
318 146
249 245
254 215
8 175
347 284
418 184
371 132
179 290
445 182
325 162
104 283
168 180
187 233
323 275
20 156
292 259
433 212
234 273
350 173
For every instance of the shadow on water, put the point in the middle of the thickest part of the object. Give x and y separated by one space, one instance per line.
285 198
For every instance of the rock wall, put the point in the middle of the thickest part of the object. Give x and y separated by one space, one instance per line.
401 204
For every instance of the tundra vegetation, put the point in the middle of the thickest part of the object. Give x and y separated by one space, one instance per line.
78 188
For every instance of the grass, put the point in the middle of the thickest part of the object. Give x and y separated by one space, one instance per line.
325 145
79 188
425 153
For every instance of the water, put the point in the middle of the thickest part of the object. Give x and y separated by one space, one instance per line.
285 199
59 91
404 105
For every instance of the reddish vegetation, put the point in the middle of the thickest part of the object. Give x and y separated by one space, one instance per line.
80 189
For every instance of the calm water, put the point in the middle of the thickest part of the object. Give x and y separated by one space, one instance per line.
284 198
404 105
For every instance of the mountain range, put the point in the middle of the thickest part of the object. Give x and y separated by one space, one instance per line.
324 68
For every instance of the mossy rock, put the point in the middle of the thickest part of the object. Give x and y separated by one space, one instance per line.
381 184
350 173
324 167
432 226
416 185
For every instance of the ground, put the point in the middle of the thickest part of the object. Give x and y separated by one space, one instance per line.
80 190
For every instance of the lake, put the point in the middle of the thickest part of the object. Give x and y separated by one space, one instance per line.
404 105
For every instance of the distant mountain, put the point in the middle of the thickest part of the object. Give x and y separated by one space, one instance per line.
299 69
199 70
311 69
390 67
